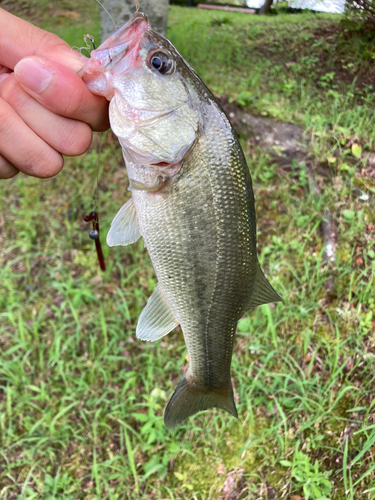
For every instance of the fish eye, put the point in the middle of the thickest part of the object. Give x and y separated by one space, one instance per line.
161 63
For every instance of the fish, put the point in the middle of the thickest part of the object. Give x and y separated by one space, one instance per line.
192 202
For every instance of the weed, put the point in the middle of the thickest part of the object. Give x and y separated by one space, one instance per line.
307 476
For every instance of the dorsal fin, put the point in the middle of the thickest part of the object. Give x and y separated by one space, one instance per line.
262 292
156 319
124 228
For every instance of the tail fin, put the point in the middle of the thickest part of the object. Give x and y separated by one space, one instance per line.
189 398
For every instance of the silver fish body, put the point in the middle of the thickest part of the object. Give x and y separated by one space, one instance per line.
192 201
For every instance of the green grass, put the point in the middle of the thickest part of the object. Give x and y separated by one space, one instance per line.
300 68
81 400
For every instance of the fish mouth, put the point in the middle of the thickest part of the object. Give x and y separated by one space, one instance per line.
130 30
116 54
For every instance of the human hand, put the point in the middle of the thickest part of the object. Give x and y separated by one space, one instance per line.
46 109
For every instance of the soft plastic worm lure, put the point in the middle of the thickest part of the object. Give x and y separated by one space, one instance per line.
94 235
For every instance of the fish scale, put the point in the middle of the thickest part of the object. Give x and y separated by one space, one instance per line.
192 201
213 283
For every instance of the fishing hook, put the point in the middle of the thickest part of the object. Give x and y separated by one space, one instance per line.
91 38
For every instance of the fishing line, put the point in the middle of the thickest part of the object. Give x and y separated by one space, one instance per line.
102 6
97 172
87 47
93 216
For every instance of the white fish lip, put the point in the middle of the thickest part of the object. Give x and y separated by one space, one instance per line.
115 54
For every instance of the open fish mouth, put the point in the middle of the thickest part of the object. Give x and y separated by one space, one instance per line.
119 52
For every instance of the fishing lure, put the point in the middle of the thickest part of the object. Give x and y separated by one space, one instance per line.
94 235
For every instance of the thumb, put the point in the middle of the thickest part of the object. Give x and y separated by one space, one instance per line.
62 91
33 74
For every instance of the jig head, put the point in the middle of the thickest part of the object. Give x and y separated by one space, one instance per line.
94 235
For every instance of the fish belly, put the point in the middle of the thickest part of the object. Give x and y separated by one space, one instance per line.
200 235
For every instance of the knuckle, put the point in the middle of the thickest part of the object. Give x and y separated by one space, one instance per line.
72 104
76 139
5 116
101 118
46 164
7 170
46 39
11 92
36 157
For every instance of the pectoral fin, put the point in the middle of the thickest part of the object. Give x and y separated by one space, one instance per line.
140 186
156 319
124 228
262 292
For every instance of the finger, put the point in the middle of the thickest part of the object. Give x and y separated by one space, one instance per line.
3 76
20 39
62 91
7 170
4 69
69 137
23 148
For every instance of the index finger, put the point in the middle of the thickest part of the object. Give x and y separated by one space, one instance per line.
20 39
62 91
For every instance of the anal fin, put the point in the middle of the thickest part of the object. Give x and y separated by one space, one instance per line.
156 319
124 228
262 292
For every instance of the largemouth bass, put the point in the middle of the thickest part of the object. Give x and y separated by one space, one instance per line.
192 201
